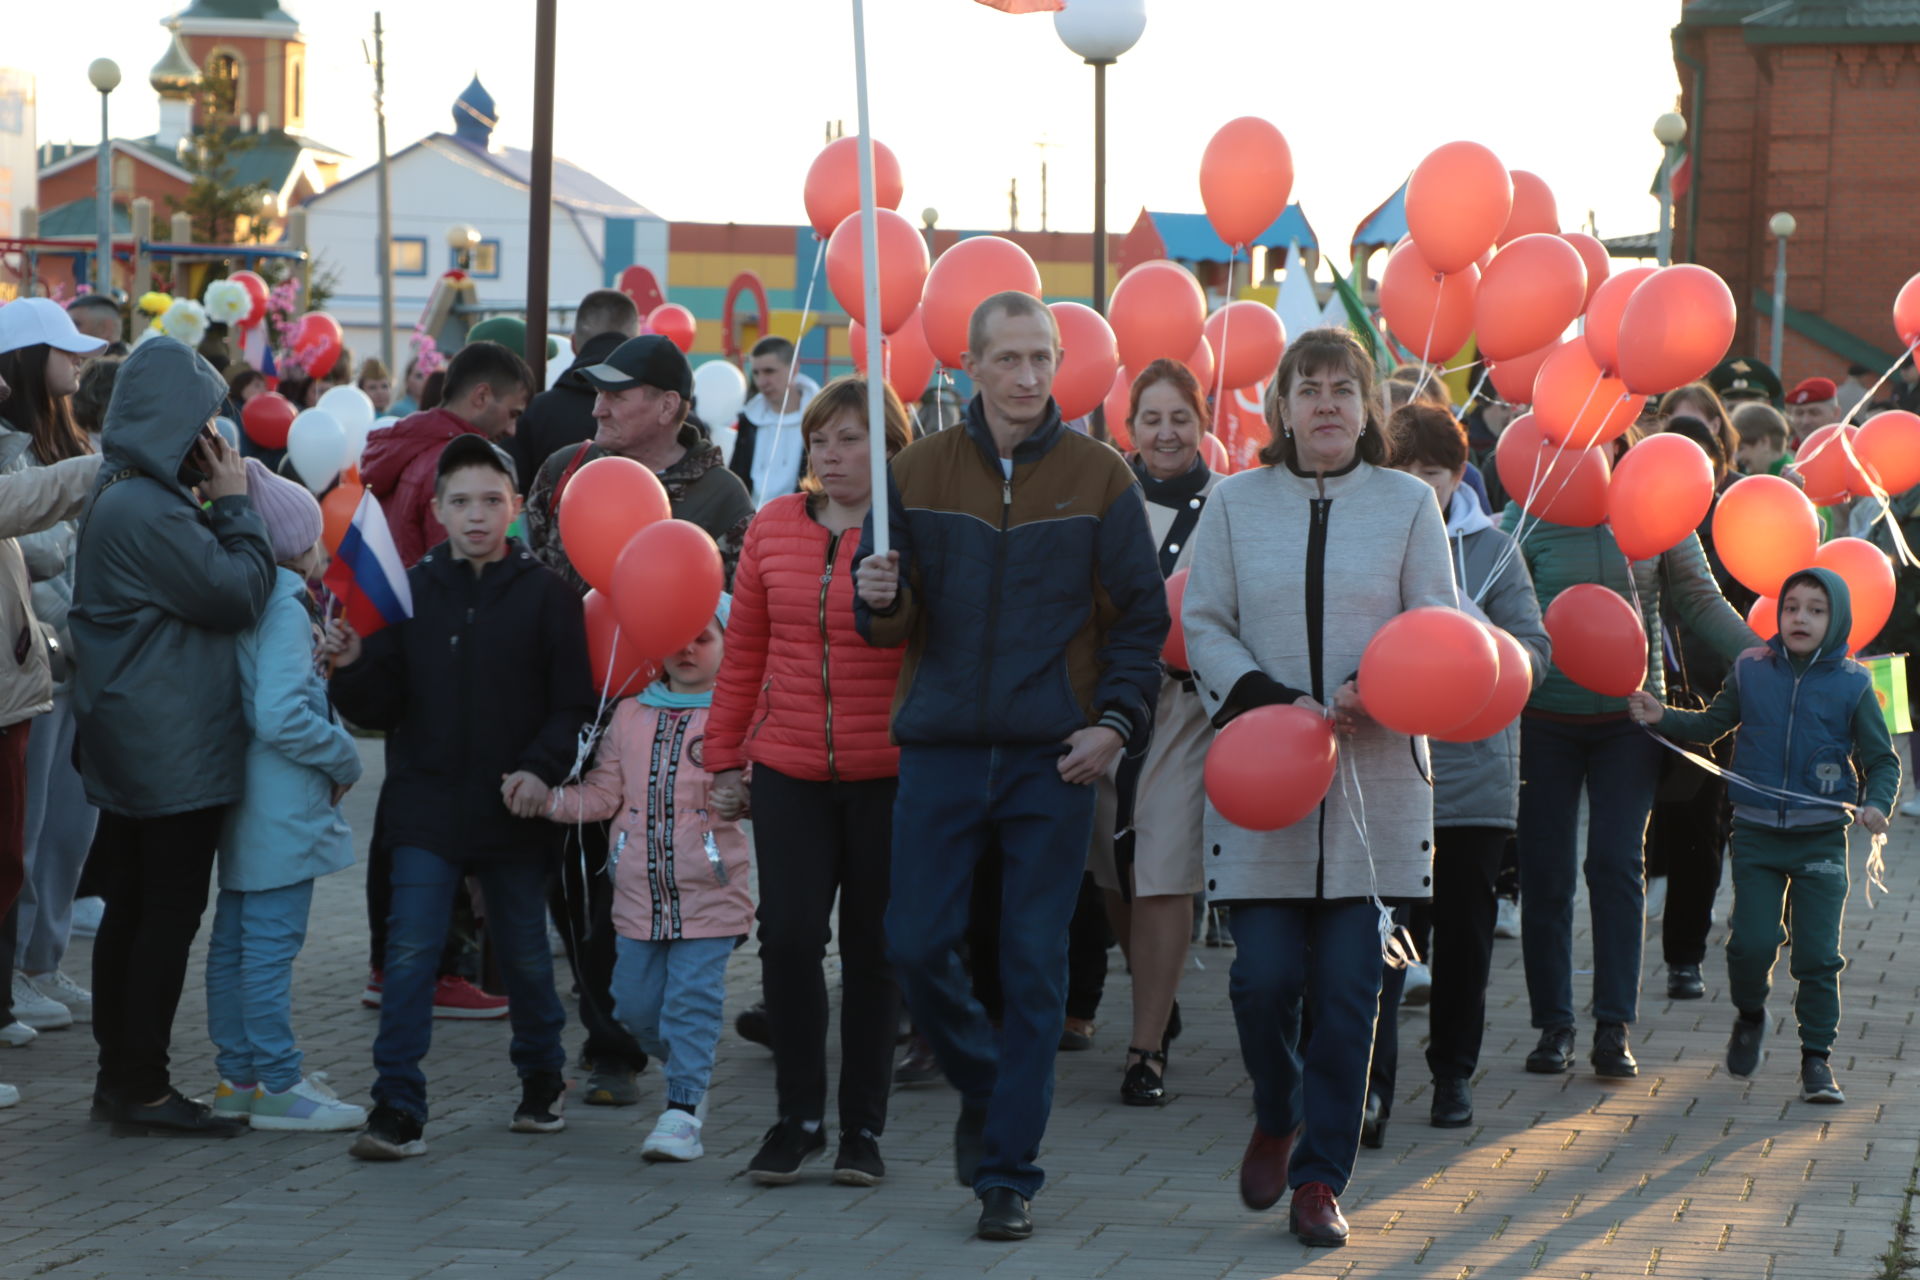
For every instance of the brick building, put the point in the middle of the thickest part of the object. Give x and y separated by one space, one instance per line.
1810 107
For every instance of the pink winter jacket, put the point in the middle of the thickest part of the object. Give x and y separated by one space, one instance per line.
650 781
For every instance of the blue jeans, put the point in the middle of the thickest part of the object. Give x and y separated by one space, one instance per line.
669 996
1328 954
250 984
60 825
515 892
953 804
1619 765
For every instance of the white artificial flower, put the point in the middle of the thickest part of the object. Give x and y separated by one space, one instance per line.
227 302
185 320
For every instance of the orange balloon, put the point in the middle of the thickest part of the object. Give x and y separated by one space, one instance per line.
1535 211
1661 491
900 259
1118 404
1830 475
1157 310
1428 670
603 506
1594 254
1248 340
1531 291
1764 529
1906 312
1577 404
1677 325
1513 379
1764 617
1430 314
1216 454
1603 316
1868 573
1246 177
1510 693
1598 641
1262 745
1890 444
1200 365
1458 202
615 665
336 513
908 360
1174 651
1089 357
1550 481
674 323
833 183
961 279
666 585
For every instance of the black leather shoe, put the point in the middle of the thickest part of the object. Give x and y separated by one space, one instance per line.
1373 1123
1684 982
1003 1215
1144 1084
969 1144
1611 1058
176 1117
1452 1104
1553 1056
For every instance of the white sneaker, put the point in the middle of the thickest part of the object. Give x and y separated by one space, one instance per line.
57 986
1506 920
1419 989
675 1136
1656 895
17 1035
86 916
311 1106
36 1010
8 1095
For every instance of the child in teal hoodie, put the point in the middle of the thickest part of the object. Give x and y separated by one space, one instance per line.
1808 727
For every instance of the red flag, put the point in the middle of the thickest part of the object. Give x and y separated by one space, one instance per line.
1025 6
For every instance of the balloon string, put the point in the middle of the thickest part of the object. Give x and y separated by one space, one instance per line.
1892 369
1486 372
1397 947
1523 529
1226 323
793 365
1426 347
1876 491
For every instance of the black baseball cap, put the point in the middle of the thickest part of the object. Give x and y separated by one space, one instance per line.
648 360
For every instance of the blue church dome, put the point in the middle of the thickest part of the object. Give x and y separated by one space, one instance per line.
473 117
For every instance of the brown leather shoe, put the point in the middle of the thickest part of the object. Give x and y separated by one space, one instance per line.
1263 1170
1314 1216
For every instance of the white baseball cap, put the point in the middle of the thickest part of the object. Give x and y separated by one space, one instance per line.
28 322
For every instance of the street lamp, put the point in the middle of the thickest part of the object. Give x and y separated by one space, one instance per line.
463 240
105 75
1782 226
1669 129
267 210
930 218
1100 31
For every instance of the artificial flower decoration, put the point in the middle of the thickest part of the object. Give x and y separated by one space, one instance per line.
156 303
185 320
227 302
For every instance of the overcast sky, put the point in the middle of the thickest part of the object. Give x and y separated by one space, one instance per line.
711 110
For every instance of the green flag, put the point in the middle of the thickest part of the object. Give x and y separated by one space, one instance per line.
1360 322
1889 673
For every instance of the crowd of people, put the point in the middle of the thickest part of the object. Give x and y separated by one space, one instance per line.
971 744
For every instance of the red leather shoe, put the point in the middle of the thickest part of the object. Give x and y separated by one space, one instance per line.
1263 1169
1314 1217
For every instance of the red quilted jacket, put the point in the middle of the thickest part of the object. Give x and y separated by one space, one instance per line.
399 464
800 691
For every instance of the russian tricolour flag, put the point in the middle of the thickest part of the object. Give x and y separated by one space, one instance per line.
366 574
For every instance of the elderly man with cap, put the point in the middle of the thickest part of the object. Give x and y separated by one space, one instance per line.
643 391
1813 403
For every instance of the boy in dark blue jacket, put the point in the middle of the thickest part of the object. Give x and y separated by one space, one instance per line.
1809 725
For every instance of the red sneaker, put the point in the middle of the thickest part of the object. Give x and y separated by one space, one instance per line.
371 996
457 998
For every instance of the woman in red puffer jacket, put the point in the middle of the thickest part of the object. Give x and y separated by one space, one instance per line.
807 701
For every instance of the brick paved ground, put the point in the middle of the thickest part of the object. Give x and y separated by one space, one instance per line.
1683 1173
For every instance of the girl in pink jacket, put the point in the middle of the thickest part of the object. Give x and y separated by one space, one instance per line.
681 903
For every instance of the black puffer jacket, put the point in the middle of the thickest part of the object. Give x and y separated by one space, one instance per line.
561 415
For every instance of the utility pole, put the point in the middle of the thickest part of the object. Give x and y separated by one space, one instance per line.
540 189
1044 146
385 256
1013 205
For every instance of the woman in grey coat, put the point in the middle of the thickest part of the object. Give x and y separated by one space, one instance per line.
1295 566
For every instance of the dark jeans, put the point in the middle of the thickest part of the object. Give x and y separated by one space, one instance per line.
1088 938
424 885
380 902
13 848
954 803
1686 840
154 874
582 900
1326 954
1619 766
813 840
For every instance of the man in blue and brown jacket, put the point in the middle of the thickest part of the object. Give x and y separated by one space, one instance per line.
1024 581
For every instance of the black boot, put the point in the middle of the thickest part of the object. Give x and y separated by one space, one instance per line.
1553 1056
1452 1104
1684 982
1611 1058
1003 1215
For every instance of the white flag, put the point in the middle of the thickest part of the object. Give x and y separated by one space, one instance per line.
1299 309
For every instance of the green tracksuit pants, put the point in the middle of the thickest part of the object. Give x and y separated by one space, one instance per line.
1807 868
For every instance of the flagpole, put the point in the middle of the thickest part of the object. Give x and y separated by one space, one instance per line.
870 271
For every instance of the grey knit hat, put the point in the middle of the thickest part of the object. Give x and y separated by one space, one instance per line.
292 515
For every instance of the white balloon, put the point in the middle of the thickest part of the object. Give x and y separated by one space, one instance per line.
556 368
317 447
719 392
230 429
350 407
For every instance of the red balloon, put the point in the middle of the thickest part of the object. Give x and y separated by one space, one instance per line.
1200 365
833 183
267 419
1764 617
1458 202
1089 357
1889 443
1246 176
1604 312
616 666
1513 379
1598 642
315 341
1157 310
1248 340
1661 491
1531 291
1764 529
1270 767
675 323
1510 693
1906 312
1118 404
1594 254
257 291
1550 481
1174 651
1215 454
1677 325
901 260
1430 314
1535 211
603 506
1830 475
666 585
1428 670
908 360
1868 573
961 279
1577 404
